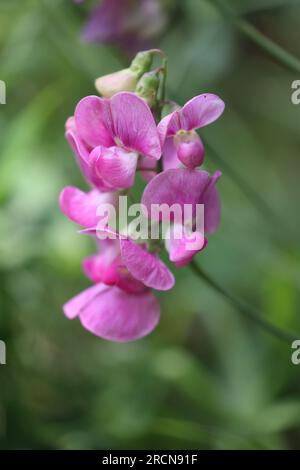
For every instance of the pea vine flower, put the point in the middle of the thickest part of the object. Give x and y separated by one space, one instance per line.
112 137
109 134
184 187
113 314
127 309
180 142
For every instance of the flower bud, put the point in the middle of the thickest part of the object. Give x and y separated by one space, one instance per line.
190 149
123 80
147 87
142 63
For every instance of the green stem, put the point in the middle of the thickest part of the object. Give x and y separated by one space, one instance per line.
274 50
161 100
244 308
164 69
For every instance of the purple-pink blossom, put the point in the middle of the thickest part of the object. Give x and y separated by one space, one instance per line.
186 187
113 314
177 130
109 135
126 309
136 258
112 138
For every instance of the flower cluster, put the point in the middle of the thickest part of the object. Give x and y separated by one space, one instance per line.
113 137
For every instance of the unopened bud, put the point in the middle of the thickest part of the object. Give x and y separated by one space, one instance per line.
142 63
147 87
190 149
123 80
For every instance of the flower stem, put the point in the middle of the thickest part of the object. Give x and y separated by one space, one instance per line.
163 82
161 100
244 308
274 50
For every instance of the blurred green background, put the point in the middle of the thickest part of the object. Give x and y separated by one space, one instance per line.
207 377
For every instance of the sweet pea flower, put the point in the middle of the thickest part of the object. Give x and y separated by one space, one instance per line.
114 314
121 261
136 259
113 136
107 137
127 23
180 142
120 307
182 186
109 268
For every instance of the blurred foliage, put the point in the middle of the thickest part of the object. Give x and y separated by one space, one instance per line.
206 378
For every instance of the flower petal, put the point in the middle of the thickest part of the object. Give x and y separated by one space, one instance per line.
170 159
201 111
145 266
80 149
115 166
198 112
190 149
182 186
81 207
108 267
176 186
93 121
95 266
85 160
134 125
118 316
163 127
183 245
74 306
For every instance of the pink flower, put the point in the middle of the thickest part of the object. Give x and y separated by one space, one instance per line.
108 135
182 186
143 266
113 314
128 23
109 268
112 137
183 244
180 142
120 307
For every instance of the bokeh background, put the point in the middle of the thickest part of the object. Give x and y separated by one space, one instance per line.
207 377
